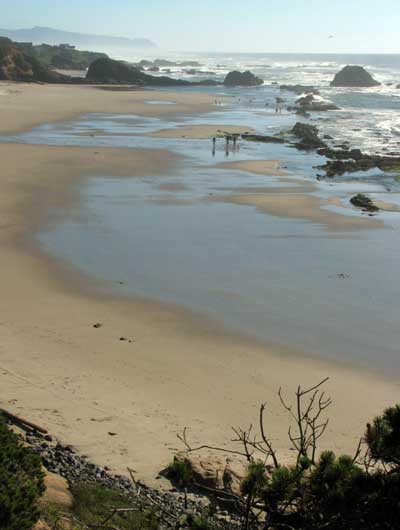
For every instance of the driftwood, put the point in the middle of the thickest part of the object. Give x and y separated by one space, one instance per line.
21 422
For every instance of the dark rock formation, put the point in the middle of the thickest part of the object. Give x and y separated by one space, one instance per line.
357 161
354 76
263 138
15 65
364 202
236 78
109 71
341 154
308 135
153 69
300 89
310 103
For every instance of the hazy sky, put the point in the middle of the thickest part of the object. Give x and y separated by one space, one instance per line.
224 25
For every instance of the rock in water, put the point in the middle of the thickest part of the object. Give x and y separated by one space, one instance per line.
308 135
300 89
354 76
236 78
310 103
364 202
109 71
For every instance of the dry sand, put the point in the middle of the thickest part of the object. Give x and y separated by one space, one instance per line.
83 383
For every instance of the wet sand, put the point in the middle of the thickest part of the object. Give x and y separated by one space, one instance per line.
198 132
259 167
305 207
175 369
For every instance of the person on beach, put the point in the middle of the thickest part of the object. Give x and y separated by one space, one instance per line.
234 142
214 142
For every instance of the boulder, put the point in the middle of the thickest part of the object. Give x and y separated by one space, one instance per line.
310 103
247 78
364 202
308 135
354 76
109 71
215 471
57 491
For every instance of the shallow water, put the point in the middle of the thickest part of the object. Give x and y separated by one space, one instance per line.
285 281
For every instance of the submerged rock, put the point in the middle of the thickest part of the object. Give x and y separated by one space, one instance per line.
354 76
300 89
263 138
364 202
237 78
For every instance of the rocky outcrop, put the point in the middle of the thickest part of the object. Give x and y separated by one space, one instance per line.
310 103
214 471
354 76
237 78
15 65
353 161
263 138
109 71
308 136
364 202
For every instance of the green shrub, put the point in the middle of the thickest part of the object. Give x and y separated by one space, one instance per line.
93 503
21 482
180 473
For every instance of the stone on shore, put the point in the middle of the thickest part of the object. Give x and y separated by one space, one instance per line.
364 202
354 76
57 491
215 471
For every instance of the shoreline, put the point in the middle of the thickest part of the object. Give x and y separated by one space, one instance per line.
180 370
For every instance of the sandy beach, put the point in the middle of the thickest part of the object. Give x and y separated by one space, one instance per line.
176 369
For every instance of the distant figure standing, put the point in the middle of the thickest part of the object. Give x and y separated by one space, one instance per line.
278 106
234 142
214 141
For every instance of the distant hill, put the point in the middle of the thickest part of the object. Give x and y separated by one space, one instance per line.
39 35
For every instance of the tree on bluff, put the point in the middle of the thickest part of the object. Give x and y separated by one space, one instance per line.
21 482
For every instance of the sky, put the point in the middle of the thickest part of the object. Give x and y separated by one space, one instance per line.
357 26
